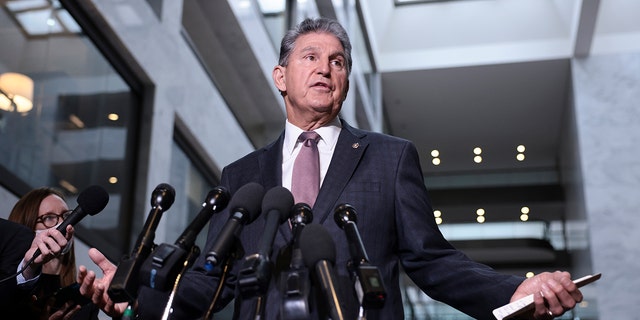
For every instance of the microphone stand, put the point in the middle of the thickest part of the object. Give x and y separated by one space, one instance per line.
227 263
193 253
362 312
295 284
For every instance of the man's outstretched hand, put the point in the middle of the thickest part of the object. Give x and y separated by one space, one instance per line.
96 288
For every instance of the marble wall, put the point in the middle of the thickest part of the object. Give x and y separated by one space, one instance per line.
607 110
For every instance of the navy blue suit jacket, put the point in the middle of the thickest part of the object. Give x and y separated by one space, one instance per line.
381 177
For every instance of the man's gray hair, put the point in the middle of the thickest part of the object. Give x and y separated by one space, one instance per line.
315 25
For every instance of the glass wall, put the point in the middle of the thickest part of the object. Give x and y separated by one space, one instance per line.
66 116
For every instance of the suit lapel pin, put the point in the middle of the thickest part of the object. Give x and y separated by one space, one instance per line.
355 145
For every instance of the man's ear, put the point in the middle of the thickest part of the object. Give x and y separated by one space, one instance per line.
346 90
279 78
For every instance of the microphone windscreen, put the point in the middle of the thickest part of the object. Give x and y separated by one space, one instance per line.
316 244
248 198
277 199
93 199
163 195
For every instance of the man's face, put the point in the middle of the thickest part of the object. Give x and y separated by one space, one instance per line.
315 81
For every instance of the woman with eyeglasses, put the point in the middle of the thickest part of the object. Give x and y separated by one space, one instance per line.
41 209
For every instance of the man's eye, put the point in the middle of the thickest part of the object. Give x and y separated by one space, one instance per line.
337 63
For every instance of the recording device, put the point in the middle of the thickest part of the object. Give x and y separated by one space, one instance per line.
125 283
367 280
245 208
70 293
319 254
294 282
90 202
255 274
160 269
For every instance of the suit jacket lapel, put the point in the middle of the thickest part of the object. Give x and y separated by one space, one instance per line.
349 150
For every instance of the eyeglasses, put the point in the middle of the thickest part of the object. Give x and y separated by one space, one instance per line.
51 219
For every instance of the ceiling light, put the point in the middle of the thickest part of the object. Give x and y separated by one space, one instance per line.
520 148
520 157
113 180
16 92
480 212
113 116
529 274
477 150
480 219
437 213
76 121
524 217
524 210
435 161
435 153
477 159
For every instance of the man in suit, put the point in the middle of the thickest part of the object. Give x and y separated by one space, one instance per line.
380 176
377 174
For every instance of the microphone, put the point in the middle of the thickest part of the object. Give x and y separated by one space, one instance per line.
294 281
319 253
255 275
368 282
163 266
245 208
125 282
90 202
216 201
300 216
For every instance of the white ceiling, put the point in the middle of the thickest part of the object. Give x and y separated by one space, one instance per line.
489 73
492 74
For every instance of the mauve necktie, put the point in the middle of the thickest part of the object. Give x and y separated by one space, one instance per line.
305 179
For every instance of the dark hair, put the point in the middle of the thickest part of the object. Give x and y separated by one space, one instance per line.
318 25
25 212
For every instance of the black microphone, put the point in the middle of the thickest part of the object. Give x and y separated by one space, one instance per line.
294 281
300 216
245 208
125 282
161 268
368 282
255 275
90 202
216 201
319 253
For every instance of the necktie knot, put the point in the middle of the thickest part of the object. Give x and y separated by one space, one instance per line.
309 137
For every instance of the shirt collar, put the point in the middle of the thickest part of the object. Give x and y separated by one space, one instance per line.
329 135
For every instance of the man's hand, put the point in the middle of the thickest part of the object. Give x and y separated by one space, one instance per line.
96 289
50 242
553 294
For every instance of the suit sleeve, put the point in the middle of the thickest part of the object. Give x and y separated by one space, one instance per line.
440 270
